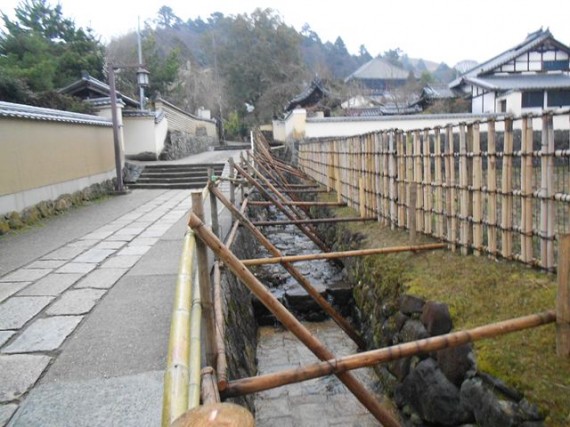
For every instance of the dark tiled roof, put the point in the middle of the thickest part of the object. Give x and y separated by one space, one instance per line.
310 95
532 41
437 92
20 111
522 82
90 85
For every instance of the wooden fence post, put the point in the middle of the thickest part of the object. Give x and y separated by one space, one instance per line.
409 176
392 177
477 194
526 190
418 174
413 207
450 204
232 176
205 287
464 191
438 183
401 176
491 188
507 191
563 298
214 208
547 191
426 187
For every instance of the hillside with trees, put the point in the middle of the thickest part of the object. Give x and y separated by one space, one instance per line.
244 67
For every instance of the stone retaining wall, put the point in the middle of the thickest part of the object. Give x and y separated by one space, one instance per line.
441 388
181 144
241 327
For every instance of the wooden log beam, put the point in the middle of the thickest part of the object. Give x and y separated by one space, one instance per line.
209 392
288 320
330 204
283 208
311 221
297 275
345 254
563 298
383 355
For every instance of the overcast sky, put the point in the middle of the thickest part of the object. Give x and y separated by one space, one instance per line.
437 30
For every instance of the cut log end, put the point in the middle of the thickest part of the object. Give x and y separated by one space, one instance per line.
216 414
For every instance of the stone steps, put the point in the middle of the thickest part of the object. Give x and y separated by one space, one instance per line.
176 176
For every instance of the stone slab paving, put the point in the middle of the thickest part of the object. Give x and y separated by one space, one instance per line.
94 255
18 373
103 278
320 402
79 301
17 311
52 284
26 275
5 336
134 400
8 289
6 412
77 267
44 335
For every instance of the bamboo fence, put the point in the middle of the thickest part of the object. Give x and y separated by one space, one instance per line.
499 187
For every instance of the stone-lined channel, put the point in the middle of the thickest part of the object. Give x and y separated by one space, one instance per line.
319 402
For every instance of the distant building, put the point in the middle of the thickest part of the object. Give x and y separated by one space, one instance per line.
379 77
311 97
529 77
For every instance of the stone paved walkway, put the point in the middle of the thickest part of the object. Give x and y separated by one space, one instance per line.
85 312
320 402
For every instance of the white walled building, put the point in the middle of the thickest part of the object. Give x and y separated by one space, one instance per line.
530 77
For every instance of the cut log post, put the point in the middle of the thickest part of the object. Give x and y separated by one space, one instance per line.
214 207
547 212
563 298
216 414
344 254
210 393
221 361
232 175
288 320
205 286
384 355
302 280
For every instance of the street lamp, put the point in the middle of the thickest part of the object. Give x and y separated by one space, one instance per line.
142 81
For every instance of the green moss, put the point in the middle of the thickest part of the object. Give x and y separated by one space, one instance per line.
478 291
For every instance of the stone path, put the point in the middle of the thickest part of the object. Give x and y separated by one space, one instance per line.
44 302
85 308
320 402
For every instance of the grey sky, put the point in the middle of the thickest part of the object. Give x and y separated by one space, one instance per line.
437 30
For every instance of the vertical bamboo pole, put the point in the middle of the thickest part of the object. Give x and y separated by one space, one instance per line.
418 180
464 191
526 190
491 187
413 208
450 188
563 298
427 187
361 197
386 166
392 177
547 191
205 288
438 183
401 176
409 176
232 175
507 191
477 194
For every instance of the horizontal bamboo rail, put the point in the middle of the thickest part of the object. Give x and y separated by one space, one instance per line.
345 254
288 320
175 396
383 355
320 204
311 221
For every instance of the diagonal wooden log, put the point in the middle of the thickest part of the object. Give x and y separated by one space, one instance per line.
287 213
297 275
384 355
288 320
313 221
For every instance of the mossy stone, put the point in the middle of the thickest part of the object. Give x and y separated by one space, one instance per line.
4 226
15 221
31 215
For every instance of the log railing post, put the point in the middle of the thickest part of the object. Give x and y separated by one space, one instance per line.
214 207
563 298
232 175
205 287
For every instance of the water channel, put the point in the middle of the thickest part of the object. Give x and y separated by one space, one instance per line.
320 402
